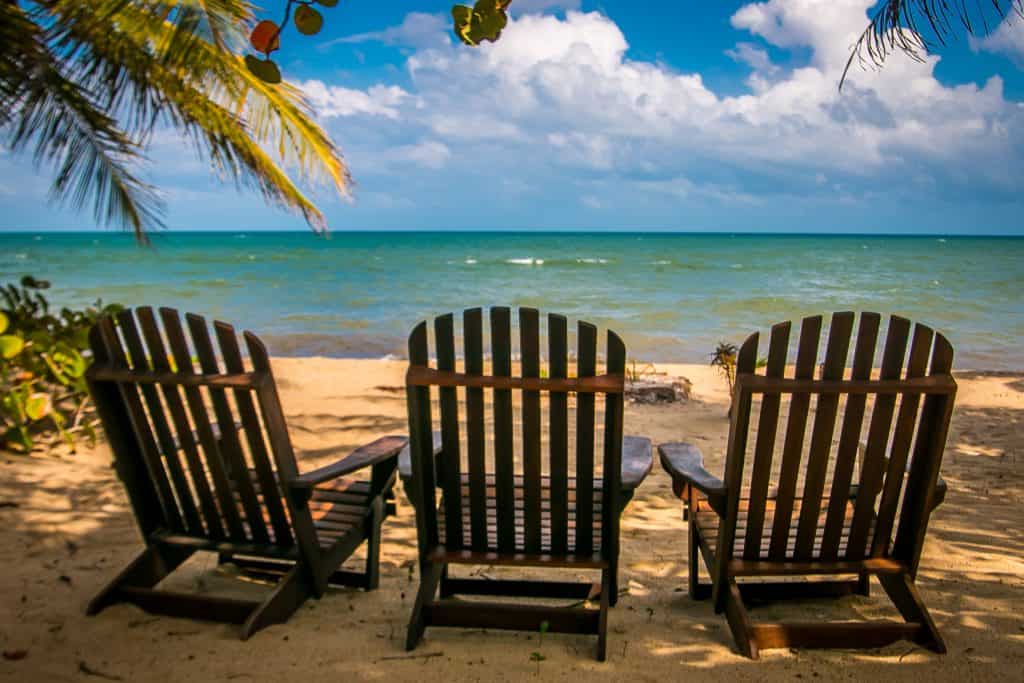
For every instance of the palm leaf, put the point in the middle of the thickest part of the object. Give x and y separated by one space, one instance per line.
915 27
101 76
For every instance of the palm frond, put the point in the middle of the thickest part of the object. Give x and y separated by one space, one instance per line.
126 67
66 129
915 27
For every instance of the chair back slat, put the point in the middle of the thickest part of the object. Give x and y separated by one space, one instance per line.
523 501
778 349
796 427
822 509
873 463
840 329
476 441
183 430
924 467
529 351
558 433
450 466
849 438
265 477
299 514
586 340
212 455
107 346
899 451
613 411
421 446
504 462
736 449
231 444
141 360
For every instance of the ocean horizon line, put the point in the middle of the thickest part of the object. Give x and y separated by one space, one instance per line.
517 232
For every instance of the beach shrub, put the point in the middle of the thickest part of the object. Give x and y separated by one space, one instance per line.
724 359
43 357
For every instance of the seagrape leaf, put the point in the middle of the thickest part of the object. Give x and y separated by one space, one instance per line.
10 346
327 3
4 323
463 17
308 21
69 361
264 38
484 21
264 69
489 25
38 406
31 283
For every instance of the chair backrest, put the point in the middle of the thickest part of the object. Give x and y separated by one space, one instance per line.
523 498
198 434
825 508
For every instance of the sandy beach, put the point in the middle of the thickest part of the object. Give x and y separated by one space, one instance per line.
66 528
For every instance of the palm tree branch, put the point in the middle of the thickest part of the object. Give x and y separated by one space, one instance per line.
896 26
91 154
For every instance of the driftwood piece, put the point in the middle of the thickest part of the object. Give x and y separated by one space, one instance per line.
654 391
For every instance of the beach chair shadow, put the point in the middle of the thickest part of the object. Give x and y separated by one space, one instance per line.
804 511
538 515
208 465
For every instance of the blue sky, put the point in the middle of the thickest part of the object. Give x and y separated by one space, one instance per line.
621 115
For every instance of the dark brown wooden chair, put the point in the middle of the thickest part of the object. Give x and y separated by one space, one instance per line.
522 506
807 510
208 465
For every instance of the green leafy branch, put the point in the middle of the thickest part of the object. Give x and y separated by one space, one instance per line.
42 367
485 20
266 35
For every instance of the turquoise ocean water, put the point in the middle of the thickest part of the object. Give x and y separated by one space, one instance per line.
671 296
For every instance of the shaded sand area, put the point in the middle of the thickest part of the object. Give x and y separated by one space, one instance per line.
65 529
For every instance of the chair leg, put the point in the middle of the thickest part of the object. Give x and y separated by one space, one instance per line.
446 589
289 594
430 577
693 558
607 590
864 584
613 597
373 545
739 621
904 595
145 571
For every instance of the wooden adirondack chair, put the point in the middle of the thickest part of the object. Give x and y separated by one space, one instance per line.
536 515
802 511
227 480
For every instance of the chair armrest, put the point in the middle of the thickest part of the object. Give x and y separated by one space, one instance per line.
405 458
371 454
685 464
636 461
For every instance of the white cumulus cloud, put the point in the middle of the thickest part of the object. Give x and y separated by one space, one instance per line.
560 92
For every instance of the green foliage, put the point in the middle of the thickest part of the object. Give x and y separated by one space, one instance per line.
538 656
724 358
266 36
42 366
483 21
84 85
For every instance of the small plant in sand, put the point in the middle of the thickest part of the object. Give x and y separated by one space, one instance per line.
42 368
724 359
537 656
